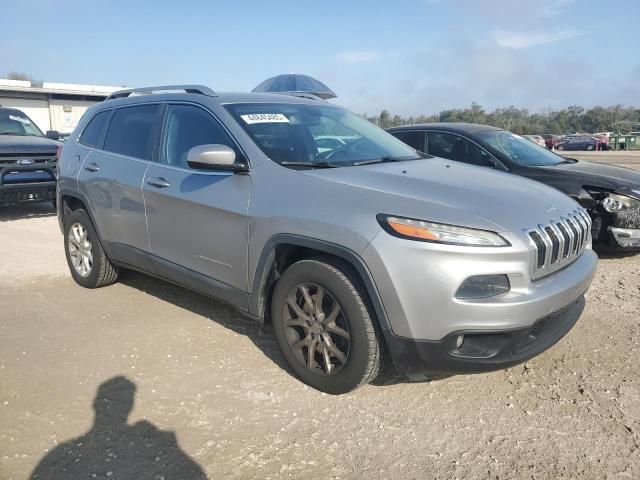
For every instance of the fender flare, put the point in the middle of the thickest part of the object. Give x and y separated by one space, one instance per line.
67 192
267 259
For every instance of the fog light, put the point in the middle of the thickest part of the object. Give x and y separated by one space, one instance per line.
483 286
459 341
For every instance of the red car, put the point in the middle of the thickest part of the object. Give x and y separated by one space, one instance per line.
550 140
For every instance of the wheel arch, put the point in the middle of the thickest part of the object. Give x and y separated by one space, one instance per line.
283 250
73 200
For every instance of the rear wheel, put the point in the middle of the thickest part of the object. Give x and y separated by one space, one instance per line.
86 258
323 327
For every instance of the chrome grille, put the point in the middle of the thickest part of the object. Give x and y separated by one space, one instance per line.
559 243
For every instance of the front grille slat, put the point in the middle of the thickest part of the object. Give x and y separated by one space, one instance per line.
555 243
559 243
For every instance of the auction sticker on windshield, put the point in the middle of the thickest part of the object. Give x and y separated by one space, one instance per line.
264 118
19 119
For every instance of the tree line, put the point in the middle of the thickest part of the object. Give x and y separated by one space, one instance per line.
573 119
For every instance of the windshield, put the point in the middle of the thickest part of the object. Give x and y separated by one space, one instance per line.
520 150
14 122
301 134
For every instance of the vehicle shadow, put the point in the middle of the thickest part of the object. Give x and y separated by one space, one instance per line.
114 449
217 311
26 210
261 336
615 254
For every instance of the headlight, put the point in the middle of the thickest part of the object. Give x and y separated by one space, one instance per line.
619 203
440 232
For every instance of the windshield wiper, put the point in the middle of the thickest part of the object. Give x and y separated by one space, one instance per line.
385 159
14 133
309 164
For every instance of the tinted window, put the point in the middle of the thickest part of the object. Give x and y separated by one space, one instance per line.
91 134
413 139
456 148
130 131
14 122
186 127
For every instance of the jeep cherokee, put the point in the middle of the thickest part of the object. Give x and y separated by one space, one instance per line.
353 250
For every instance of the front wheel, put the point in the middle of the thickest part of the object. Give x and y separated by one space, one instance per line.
323 327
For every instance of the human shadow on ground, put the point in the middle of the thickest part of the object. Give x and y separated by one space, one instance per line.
114 449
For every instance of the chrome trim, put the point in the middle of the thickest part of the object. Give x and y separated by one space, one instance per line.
576 225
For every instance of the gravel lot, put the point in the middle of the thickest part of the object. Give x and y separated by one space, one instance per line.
213 395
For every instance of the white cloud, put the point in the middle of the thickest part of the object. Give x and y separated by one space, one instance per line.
555 7
510 39
357 56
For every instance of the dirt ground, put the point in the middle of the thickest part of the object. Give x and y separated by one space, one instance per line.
213 396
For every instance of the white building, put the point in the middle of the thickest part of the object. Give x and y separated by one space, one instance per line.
52 106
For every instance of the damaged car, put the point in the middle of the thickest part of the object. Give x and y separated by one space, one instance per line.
611 194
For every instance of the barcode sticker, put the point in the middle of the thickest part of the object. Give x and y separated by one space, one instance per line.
19 119
264 118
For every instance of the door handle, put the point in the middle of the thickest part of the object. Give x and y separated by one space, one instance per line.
92 167
158 182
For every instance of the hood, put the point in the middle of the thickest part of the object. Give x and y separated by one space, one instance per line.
508 201
572 177
10 144
599 174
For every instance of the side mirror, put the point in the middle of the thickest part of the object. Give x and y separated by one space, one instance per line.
214 157
53 134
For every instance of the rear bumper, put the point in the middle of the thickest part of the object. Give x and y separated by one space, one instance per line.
27 193
480 351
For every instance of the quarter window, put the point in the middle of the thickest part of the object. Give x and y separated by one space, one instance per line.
186 127
91 134
131 131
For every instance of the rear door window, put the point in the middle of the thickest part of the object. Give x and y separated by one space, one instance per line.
130 131
453 147
414 139
93 132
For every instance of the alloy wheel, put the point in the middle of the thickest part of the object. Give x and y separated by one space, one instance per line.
316 329
80 250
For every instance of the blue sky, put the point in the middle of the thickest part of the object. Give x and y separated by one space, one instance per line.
406 56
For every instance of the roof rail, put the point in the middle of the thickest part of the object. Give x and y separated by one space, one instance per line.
199 89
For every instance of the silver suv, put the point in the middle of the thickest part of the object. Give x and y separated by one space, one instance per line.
351 243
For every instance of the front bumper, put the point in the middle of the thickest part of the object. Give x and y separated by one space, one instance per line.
417 283
626 237
481 351
27 192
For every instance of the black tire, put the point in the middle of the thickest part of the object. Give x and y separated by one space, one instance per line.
102 272
364 357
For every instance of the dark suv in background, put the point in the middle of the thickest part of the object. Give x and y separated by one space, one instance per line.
27 160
